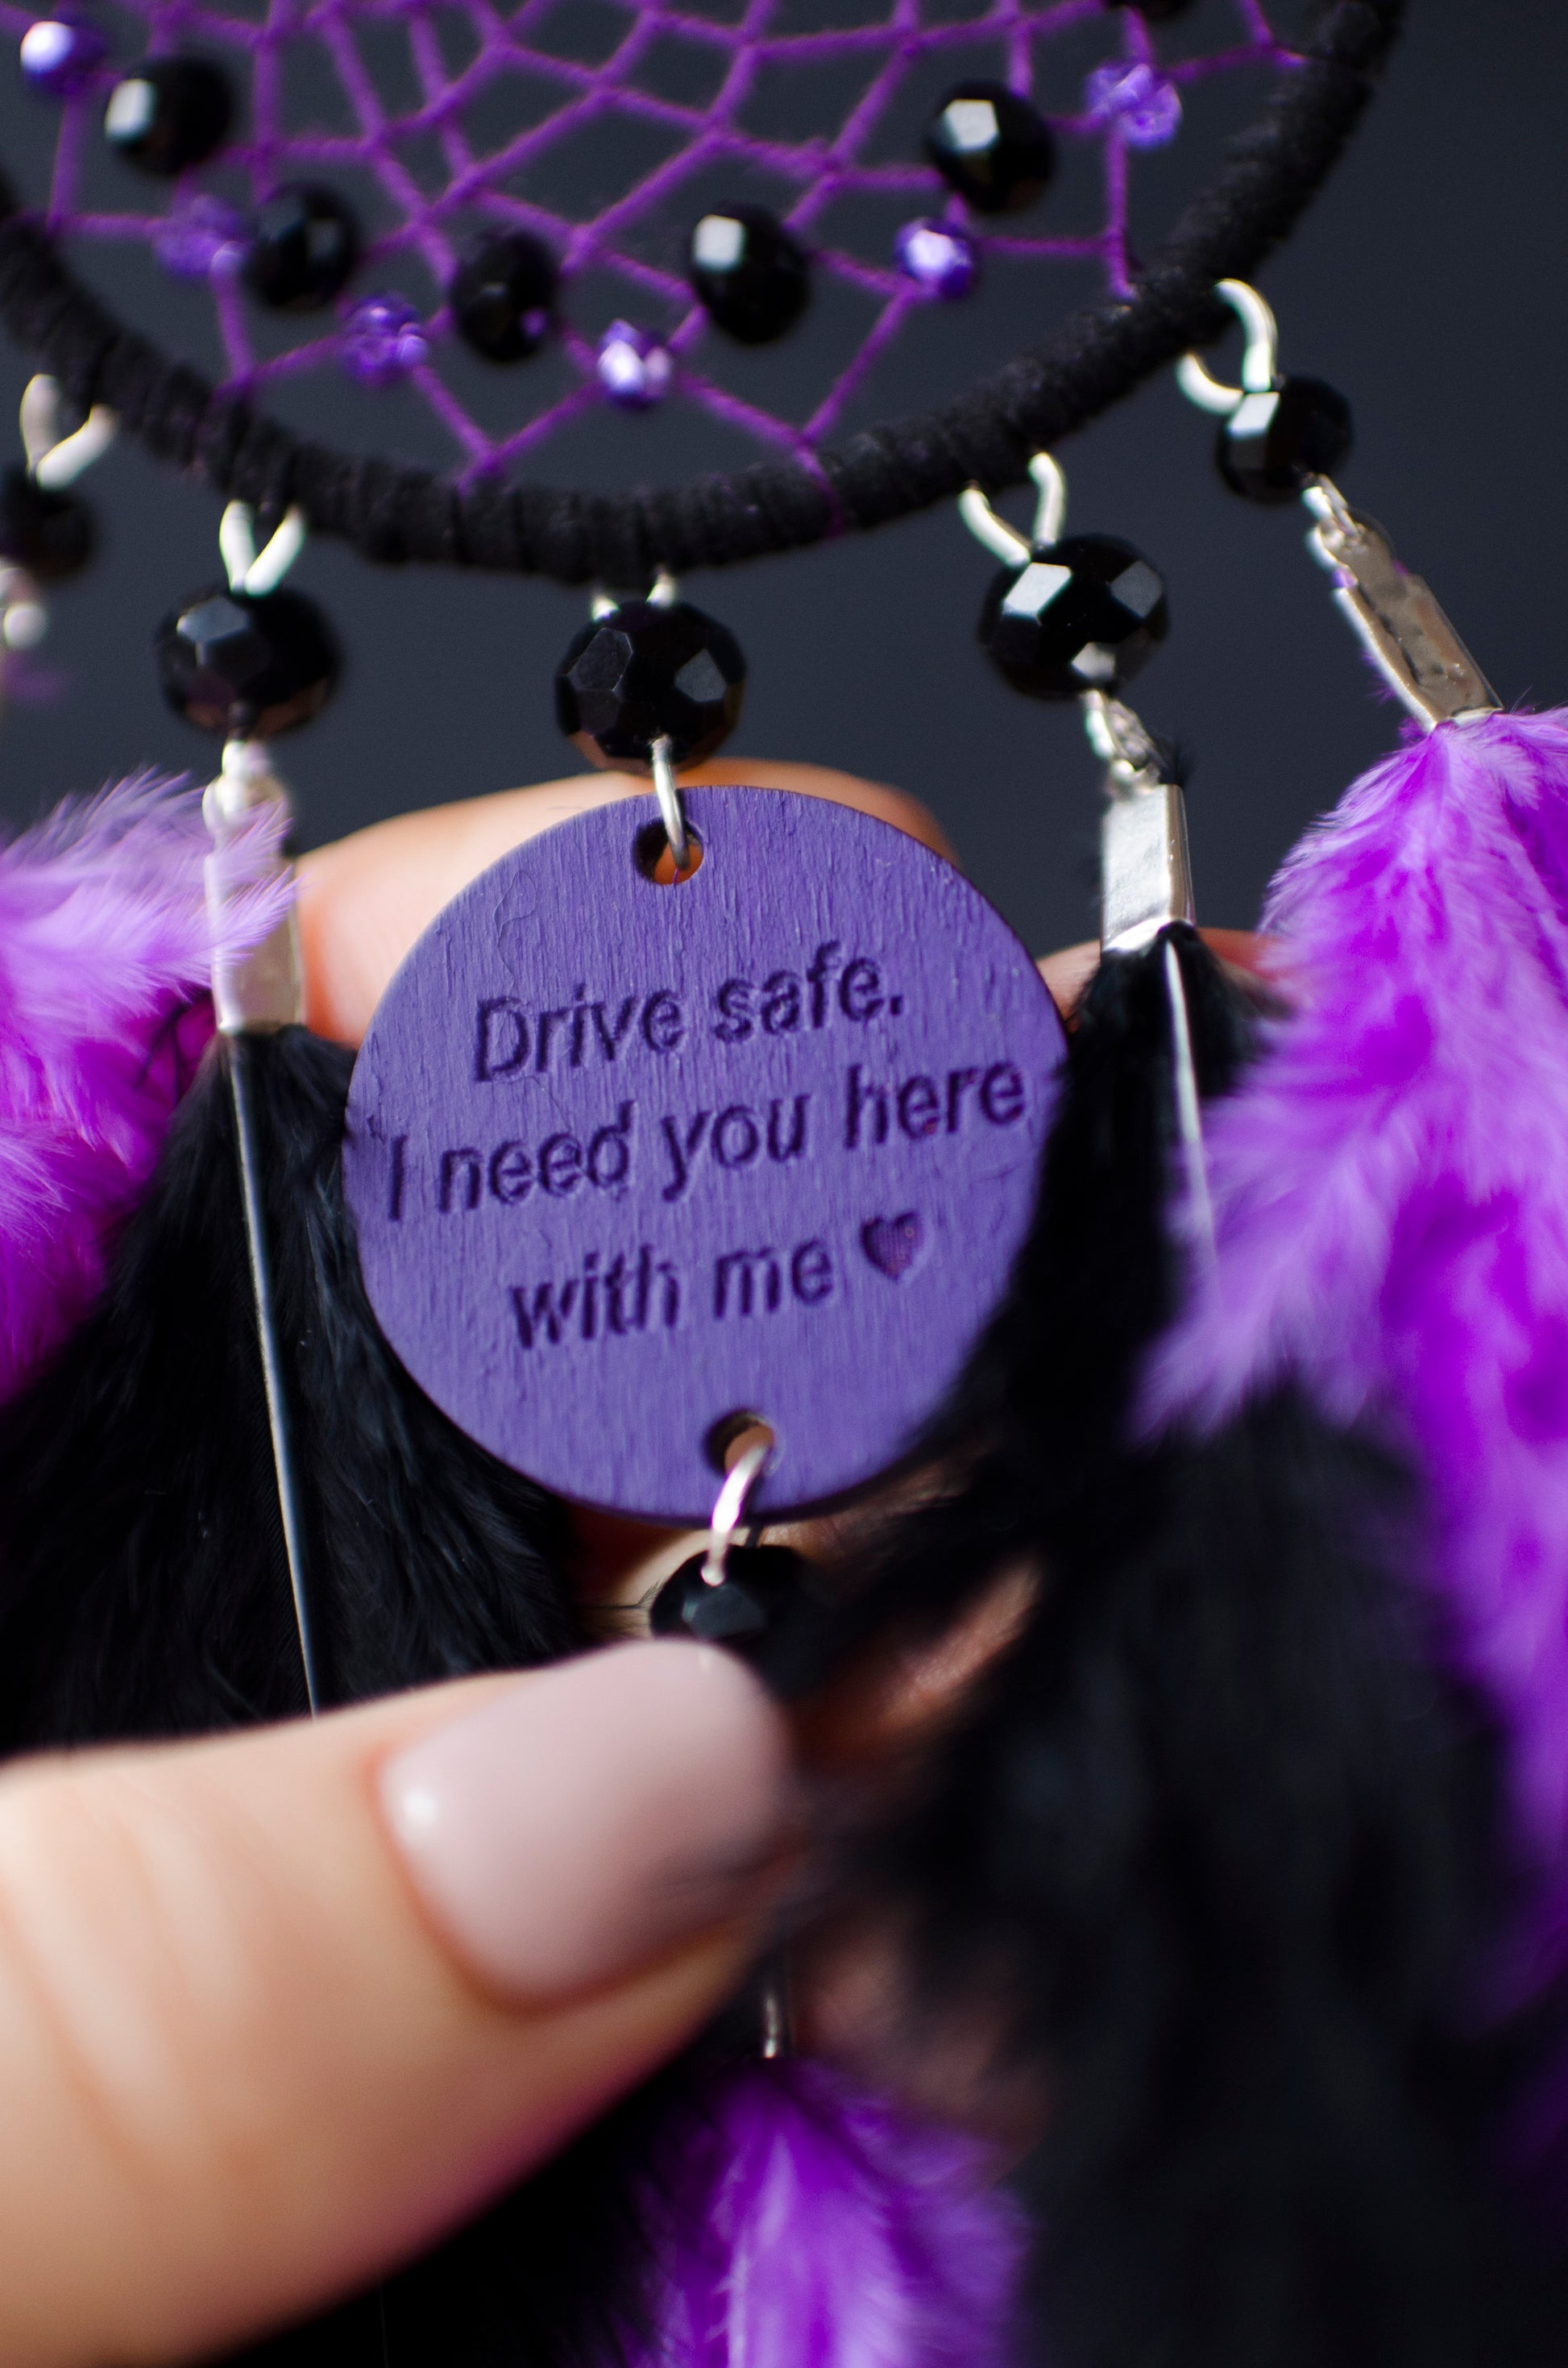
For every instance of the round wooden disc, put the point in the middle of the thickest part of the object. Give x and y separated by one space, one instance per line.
629 1161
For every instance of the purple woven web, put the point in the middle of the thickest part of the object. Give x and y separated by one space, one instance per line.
465 57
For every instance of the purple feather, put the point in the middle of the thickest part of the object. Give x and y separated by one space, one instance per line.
105 955
799 2223
1391 1192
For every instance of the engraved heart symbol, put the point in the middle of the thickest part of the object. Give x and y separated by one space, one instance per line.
892 1244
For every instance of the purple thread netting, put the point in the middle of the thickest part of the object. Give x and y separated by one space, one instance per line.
1132 100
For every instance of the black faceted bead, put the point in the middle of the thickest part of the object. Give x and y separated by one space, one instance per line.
247 665
1273 445
1084 614
751 274
503 297
992 146
642 673
304 249
765 1592
50 534
169 113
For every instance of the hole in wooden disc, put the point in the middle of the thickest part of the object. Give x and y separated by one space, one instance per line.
656 863
729 1439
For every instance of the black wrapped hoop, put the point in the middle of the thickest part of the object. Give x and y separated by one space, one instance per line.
395 513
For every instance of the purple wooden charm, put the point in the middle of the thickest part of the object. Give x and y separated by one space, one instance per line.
628 1161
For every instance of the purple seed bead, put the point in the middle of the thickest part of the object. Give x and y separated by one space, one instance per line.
1139 103
60 56
383 339
938 256
200 234
634 368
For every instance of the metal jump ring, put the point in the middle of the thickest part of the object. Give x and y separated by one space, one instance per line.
56 460
248 570
672 813
730 1508
1260 355
1003 541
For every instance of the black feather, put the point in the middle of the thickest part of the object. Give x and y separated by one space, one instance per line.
1218 1849
1215 1850
1034 1432
145 1587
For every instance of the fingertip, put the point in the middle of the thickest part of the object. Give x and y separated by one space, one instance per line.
1068 973
1242 948
890 805
243 2070
569 1829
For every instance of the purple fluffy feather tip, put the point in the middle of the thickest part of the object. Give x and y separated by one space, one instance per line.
1391 1189
105 958
799 2223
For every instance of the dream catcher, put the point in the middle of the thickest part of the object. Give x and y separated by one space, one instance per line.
719 1153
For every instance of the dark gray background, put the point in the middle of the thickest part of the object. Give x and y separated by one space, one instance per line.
1427 283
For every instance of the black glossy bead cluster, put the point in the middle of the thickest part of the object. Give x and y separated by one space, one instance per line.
50 534
1274 444
762 1592
746 268
992 146
1085 613
647 671
247 665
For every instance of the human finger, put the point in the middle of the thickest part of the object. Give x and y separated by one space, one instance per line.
365 900
278 2010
